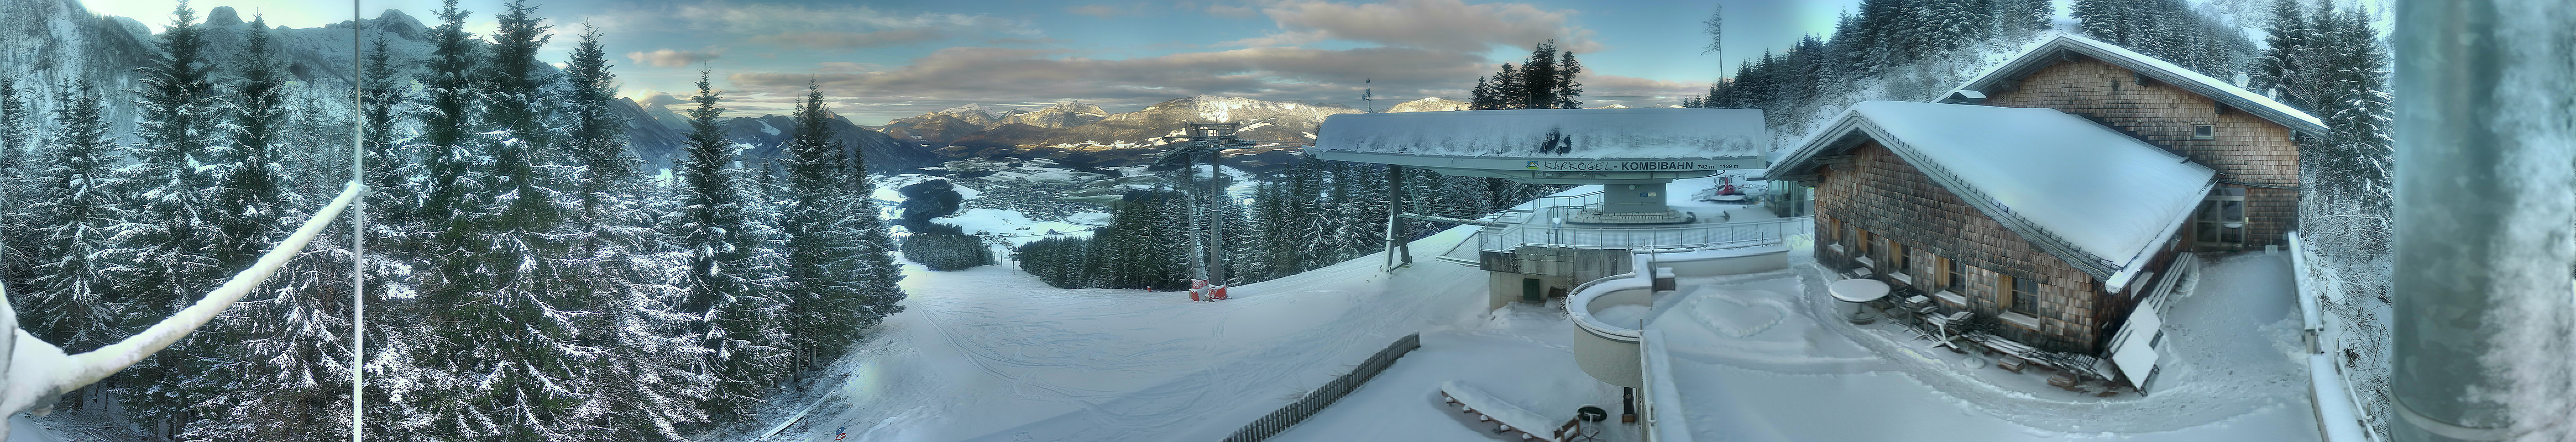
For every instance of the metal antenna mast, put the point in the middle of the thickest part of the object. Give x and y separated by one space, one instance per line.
1368 92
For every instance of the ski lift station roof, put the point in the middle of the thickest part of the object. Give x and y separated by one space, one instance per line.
1562 146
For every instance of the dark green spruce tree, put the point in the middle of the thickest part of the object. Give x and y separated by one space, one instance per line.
1546 80
521 311
278 364
828 305
636 392
433 378
733 321
71 302
17 137
164 254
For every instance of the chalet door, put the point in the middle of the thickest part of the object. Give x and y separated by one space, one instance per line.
2221 221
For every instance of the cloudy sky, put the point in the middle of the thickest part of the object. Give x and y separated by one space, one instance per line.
891 59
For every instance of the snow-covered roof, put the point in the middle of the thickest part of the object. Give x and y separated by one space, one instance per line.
2094 197
1576 133
2046 54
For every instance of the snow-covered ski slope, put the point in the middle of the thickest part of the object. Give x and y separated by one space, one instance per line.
991 354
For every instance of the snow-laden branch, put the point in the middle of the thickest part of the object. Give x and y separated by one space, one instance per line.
37 372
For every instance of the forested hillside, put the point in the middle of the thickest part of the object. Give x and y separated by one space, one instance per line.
525 281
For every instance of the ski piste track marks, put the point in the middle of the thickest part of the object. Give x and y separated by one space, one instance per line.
1267 349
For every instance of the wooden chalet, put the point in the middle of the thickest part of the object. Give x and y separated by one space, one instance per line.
2044 194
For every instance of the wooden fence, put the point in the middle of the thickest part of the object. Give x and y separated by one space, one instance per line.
1315 401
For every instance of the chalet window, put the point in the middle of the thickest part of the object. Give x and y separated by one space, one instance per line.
1957 280
2204 132
1897 254
2025 296
1865 244
2221 221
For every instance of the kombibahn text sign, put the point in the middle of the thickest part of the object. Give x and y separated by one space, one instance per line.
1623 165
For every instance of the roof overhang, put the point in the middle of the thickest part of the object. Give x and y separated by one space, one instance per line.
1543 170
2060 46
1853 129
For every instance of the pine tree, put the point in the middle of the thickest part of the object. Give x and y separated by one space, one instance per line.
1546 80
732 319
2282 70
1566 88
2106 20
2357 121
1485 96
274 369
1539 78
824 307
443 393
598 134
16 138
525 313
638 390
446 124
2023 17
17 121
1949 25
511 77
72 303
164 255
245 210
875 275
1506 92
390 198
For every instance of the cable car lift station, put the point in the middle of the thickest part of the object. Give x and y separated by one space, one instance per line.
1547 246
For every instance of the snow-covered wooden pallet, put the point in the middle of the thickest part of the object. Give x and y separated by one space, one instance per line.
1505 416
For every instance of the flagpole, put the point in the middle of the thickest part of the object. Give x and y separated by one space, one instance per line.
358 230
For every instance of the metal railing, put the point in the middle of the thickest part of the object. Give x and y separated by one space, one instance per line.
1315 401
2339 407
1696 236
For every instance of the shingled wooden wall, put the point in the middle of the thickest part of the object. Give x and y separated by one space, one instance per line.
1875 190
2247 149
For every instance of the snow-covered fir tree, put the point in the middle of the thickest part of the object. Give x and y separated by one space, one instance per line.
72 302
727 287
17 137
282 353
823 245
250 188
164 257
875 275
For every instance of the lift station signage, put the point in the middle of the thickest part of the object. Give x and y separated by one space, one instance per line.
1625 166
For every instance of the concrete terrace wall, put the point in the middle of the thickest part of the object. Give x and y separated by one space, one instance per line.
2247 149
1877 191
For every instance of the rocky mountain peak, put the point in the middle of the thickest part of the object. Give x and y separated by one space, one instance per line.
1429 104
222 16
1061 115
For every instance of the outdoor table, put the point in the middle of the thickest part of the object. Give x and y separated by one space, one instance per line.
1857 291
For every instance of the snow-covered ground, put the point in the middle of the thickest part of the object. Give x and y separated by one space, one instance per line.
1521 354
1769 360
990 354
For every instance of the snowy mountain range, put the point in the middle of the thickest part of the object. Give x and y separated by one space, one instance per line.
1083 134
1429 104
49 41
